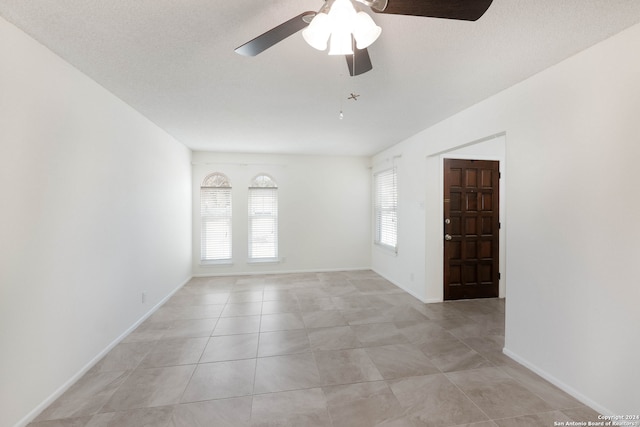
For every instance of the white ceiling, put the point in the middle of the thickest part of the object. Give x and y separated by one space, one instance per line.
173 61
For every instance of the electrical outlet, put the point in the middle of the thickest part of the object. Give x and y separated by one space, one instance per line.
144 297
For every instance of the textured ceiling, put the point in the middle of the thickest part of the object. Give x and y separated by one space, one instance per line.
173 61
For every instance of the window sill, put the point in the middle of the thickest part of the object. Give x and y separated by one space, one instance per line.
215 263
263 261
388 249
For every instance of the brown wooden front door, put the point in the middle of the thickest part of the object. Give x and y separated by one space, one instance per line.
471 227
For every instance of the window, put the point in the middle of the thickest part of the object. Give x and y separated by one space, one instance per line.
263 219
386 208
215 212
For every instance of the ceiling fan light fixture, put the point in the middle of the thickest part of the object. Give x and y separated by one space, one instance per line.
318 32
365 31
336 22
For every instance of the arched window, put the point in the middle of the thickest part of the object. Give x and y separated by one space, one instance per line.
215 213
263 219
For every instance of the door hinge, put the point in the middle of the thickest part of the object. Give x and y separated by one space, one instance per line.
500 225
499 175
499 276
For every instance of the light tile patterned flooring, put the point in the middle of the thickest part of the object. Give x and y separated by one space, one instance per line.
318 349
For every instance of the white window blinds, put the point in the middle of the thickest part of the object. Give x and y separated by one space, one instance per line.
263 219
386 208
215 212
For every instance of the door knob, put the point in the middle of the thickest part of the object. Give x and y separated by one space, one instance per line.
447 237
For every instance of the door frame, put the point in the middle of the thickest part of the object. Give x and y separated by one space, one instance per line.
483 149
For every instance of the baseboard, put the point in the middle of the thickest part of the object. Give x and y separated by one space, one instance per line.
413 294
328 270
260 273
556 382
64 387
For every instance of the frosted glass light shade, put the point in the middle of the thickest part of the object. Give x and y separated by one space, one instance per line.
340 43
318 32
342 14
365 31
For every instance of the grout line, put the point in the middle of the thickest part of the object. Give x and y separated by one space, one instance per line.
311 284
255 365
466 395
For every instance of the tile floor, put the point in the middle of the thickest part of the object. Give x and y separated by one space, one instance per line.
319 349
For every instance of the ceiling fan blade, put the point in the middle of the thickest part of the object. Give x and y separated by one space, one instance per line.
466 10
359 62
275 35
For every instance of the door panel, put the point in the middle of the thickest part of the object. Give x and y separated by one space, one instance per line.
471 200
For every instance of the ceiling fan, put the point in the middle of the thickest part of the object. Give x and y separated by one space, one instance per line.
359 61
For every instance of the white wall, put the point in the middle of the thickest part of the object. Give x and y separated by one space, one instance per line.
572 136
417 267
95 209
324 206
405 267
491 148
